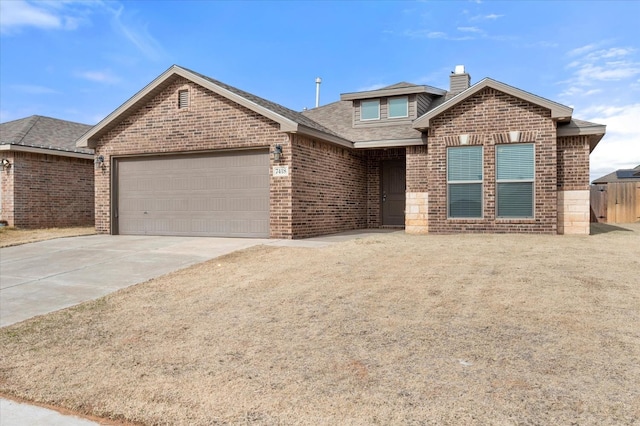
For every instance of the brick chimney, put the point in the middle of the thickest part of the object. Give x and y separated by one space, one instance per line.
459 80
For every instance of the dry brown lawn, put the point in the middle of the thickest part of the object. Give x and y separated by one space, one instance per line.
391 329
10 236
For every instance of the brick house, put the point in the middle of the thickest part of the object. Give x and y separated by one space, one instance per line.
189 155
45 180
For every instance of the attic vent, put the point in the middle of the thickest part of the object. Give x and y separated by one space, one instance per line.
183 99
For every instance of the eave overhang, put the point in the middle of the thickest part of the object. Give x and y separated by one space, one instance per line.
595 132
390 143
47 151
559 112
157 85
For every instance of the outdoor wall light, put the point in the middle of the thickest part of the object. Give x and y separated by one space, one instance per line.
514 136
277 153
98 162
464 139
5 163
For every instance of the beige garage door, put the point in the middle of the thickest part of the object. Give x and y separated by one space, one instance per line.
221 195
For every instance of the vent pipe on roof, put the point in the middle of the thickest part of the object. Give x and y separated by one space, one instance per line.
318 81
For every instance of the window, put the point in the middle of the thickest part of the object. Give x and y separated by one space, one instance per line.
370 110
398 107
183 99
464 182
514 179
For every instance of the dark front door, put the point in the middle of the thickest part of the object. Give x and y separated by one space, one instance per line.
393 192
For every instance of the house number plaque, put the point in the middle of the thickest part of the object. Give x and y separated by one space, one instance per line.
280 171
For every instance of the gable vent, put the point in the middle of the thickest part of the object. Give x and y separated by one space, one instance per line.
183 99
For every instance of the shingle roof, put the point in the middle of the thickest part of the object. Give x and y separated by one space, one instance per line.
277 108
339 117
621 175
44 132
289 120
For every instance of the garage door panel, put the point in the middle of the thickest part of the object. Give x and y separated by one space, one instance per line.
203 195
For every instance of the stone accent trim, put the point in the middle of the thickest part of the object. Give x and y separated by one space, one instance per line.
417 213
573 212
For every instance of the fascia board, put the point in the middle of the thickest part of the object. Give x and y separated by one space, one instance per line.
390 92
307 131
389 143
286 125
582 131
35 150
558 111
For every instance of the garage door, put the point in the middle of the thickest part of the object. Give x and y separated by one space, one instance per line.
222 195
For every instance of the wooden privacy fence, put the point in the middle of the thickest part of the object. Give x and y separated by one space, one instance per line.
615 202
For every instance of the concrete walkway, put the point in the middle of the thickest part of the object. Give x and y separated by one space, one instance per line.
43 277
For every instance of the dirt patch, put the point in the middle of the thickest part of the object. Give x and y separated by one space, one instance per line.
391 329
10 236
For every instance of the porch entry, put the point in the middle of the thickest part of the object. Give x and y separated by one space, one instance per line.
392 196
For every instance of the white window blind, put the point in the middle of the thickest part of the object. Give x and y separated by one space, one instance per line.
515 176
464 182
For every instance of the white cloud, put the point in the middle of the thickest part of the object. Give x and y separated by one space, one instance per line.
591 65
489 17
435 35
620 147
137 33
470 29
18 14
375 86
583 49
33 89
105 76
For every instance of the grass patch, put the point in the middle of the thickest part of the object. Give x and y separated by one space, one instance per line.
392 329
10 236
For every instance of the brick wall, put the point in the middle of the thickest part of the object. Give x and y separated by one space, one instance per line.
211 122
573 185
487 117
50 191
573 163
329 188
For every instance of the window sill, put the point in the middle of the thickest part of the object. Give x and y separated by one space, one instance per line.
515 220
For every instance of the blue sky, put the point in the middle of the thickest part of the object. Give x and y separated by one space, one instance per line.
80 60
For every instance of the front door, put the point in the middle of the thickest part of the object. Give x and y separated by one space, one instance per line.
393 192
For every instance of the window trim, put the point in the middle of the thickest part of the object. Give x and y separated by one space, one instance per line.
394 117
532 181
370 101
459 182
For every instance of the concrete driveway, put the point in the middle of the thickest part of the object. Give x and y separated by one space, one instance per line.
38 278
42 277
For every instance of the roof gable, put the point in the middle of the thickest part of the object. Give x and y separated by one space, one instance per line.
289 120
559 112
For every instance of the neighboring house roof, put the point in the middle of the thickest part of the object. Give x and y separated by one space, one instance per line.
558 111
621 175
289 120
44 135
